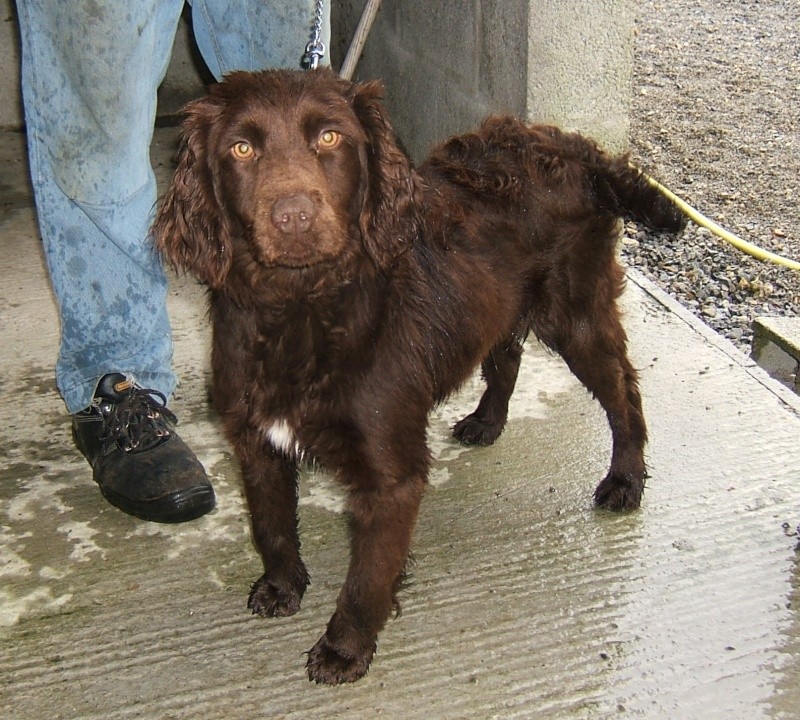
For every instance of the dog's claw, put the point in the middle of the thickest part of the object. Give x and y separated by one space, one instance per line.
619 493
472 430
327 665
268 600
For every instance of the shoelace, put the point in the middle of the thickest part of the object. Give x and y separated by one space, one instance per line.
137 422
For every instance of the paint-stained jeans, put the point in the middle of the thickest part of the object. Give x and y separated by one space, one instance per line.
90 71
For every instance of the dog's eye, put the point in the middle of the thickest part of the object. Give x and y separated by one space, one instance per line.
242 150
329 140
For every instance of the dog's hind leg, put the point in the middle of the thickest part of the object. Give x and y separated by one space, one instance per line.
500 369
613 381
595 351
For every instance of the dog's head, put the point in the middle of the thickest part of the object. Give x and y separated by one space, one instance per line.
296 169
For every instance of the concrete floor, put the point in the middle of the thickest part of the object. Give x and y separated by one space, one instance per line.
526 602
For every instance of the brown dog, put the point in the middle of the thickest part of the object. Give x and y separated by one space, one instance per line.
350 293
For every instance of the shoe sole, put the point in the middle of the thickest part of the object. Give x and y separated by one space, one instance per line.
178 507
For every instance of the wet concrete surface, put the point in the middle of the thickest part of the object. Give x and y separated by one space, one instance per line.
526 601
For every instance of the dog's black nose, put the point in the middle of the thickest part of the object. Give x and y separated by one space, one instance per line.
294 214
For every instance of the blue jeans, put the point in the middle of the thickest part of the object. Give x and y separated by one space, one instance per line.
90 71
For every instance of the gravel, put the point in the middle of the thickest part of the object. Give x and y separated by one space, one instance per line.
716 118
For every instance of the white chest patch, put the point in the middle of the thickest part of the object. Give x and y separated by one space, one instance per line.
282 437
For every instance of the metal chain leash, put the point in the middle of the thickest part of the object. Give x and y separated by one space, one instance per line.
315 50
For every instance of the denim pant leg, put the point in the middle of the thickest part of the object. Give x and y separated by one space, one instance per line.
90 72
255 34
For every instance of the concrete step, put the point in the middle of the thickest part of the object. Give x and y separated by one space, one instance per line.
776 348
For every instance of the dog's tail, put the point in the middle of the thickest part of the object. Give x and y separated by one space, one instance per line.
624 190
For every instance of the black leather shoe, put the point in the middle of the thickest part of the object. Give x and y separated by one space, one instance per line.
137 459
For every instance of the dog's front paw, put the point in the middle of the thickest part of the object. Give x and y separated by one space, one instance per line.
619 493
272 598
473 430
334 664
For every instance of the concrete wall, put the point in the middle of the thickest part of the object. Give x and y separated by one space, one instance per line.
10 106
448 64
580 65
445 65
187 75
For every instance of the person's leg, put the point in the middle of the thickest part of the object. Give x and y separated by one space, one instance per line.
255 34
90 72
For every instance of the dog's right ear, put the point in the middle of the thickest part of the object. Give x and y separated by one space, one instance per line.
191 229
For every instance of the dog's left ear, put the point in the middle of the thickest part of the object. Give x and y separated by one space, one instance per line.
389 211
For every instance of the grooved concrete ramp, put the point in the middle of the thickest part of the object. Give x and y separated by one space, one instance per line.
526 601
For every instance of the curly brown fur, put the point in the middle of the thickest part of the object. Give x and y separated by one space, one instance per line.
350 293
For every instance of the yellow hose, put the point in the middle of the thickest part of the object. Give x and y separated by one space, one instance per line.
734 240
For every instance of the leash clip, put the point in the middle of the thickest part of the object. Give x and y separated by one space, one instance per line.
315 51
